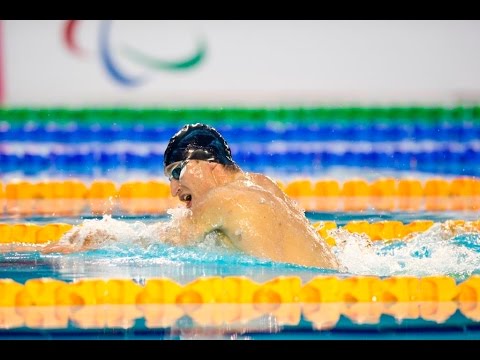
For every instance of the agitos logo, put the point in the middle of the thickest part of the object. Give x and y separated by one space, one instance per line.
109 63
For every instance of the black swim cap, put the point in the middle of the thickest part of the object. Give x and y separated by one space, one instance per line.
200 142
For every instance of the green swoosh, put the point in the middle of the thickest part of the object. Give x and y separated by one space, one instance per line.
158 64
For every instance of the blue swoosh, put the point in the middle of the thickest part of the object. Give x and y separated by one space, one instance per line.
107 60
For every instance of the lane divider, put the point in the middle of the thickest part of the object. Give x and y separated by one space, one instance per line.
98 303
449 159
463 132
401 115
103 196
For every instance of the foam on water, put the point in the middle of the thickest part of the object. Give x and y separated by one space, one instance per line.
437 251
441 250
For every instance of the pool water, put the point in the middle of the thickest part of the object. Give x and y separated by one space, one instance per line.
427 255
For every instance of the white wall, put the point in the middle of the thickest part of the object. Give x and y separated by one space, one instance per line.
247 62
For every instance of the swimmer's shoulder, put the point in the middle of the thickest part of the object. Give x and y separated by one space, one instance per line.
233 194
260 177
267 183
226 192
260 180
220 204
220 194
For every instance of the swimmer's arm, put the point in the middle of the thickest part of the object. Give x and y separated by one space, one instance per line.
191 228
69 243
19 247
181 232
72 241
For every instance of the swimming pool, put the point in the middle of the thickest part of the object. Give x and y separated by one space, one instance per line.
367 183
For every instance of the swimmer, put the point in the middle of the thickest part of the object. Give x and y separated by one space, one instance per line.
248 210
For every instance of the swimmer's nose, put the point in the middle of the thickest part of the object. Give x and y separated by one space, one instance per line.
174 187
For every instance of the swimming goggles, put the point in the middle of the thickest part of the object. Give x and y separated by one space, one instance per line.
174 170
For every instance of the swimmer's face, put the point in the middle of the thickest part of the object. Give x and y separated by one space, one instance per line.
194 180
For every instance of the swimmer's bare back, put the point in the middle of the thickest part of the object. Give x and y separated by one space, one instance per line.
261 224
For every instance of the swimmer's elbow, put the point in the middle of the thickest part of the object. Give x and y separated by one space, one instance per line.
83 241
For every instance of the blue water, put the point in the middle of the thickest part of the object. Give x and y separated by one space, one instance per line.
457 256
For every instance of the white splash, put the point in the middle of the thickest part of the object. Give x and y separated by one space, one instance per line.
106 230
95 233
441 250
433 252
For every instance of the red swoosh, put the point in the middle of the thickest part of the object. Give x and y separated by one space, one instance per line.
68 36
